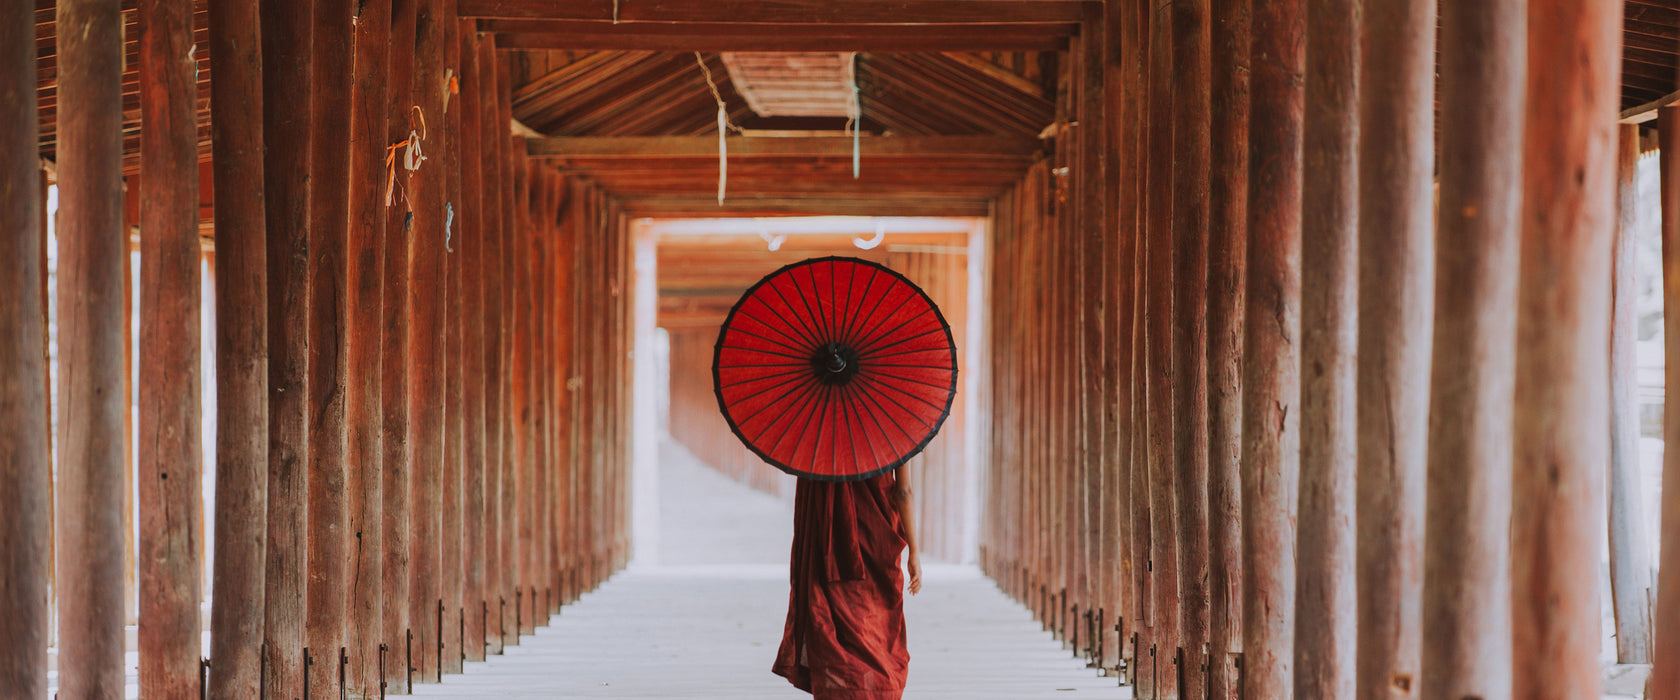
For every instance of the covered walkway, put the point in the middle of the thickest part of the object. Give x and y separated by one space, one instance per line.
705 622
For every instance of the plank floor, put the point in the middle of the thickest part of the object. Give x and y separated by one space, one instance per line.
705 622
712 632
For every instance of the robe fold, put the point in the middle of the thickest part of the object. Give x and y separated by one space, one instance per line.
844 638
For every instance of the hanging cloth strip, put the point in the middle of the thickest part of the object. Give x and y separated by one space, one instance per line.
723 127
854 110
412 155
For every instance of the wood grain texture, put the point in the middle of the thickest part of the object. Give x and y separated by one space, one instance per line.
426 328
395 377
93 257
1560 434
1396 268
328 341
1192 63
1326 606
241 506
25 466
287 40
363 400
1466 569
1271 360
171 504
1227 250
1665 673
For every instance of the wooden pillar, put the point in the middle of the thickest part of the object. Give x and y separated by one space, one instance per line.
1325 623
1191 105
93 255
1561 419
1396 264
241 524
1120 57
1227 253
363 404
328 339
287 38
511 444
1665 672
474 313
426 272
454 426
1630 560
1271 378
25 465
394 383
494 340
1161 680
1090 305
1466 589
171 509
521 409
543 242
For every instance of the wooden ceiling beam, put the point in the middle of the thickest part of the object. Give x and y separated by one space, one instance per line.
801 146
535 34
701 207
786 11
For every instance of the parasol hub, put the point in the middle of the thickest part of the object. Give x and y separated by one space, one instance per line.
835 363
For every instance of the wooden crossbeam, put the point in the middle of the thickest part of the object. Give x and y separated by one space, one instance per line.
749 146
785 11
1648 111
700 206
581 35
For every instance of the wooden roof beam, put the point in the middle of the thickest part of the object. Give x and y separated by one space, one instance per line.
1648 111
701 206
748 146
580 35
786 11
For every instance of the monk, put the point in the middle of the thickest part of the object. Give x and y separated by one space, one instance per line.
844 638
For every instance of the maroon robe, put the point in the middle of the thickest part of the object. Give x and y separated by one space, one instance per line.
844 638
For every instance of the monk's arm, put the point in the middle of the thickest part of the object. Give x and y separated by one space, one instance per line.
905 500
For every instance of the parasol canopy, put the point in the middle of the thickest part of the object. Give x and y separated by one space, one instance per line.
835 369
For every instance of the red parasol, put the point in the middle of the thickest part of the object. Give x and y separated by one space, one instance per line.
835 369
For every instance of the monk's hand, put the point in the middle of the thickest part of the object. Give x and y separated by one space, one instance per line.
915 567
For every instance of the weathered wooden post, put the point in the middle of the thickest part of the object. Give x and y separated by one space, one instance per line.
171 509
1121 55
1272 358
394 382
1191 107
495 342
328 341
25 464
93 255
363 403
425 340
1665 672
1563 307
1325 603
474 313
1396 264
241 518
1630 560
512 434
1227 253
455 330
1466 589
1162 681
287 38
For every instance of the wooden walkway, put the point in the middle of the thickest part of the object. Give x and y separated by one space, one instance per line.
705 623
712 632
